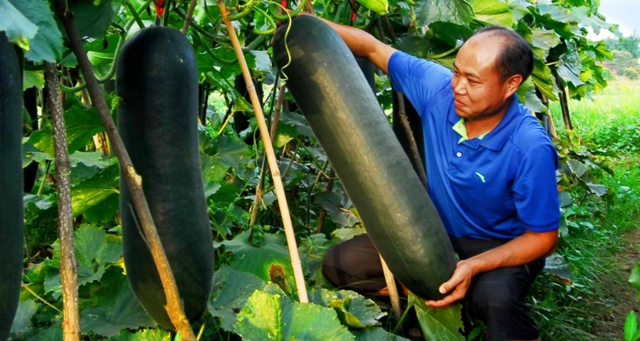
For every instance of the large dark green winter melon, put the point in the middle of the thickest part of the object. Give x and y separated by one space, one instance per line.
11 207
346 118
157 79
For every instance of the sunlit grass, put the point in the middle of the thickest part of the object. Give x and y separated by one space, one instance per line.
611 119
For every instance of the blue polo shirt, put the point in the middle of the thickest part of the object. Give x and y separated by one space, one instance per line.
495 187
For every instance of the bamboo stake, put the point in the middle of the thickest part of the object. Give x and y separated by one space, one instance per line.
393 289
187 19
68 263
271 157
134 181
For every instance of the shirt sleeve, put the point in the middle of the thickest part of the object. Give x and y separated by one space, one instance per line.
536 191
417 78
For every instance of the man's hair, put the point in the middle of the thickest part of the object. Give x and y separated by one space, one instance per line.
516 57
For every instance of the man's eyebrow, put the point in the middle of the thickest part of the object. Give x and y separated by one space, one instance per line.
471 74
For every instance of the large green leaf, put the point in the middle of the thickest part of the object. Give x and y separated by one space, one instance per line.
430 11
101 189
354 310
543 79
53 333
47 43
442 324
332 203
570 65
274 317
495 12
231 290
19 29
115 308
94 251
269 261
21 326
93 17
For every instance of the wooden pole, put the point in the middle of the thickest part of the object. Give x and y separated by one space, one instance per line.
271 158
393 289
134 181
68 263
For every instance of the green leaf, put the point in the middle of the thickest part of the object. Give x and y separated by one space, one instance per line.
296 120
93 17
332 203
275 317
527 96
353 309
53 333
570 65
143 335
19 29
494 12
21 326
90 159
32 78
115 309
39 202
81 123
347 233
634 279
231 290
233 152
47 43
440 324
378 6
377 334
270 261
101 189
455 11
544 80
630 326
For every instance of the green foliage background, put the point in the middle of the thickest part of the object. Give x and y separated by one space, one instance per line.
263 304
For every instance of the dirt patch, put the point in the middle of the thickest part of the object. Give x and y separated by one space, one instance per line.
619 295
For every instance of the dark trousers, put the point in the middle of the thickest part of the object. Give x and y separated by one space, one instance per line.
495 297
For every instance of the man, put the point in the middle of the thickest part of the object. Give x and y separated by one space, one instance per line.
491 171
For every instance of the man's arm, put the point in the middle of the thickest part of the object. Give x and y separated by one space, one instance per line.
362 44
521 250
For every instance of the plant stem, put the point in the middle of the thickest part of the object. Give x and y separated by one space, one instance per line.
133 180
271 157
44 177
274 126
323 212
415 155
135 14
68 264
187 18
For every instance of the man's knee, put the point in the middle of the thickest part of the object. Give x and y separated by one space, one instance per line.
354 265
487 297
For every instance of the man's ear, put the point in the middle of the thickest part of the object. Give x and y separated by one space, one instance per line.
512 84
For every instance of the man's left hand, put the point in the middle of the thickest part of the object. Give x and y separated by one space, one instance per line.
457 286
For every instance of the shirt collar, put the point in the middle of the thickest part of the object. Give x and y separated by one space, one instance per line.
496 138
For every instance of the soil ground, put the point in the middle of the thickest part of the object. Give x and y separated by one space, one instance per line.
619 296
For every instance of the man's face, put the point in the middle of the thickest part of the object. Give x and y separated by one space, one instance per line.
478 90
